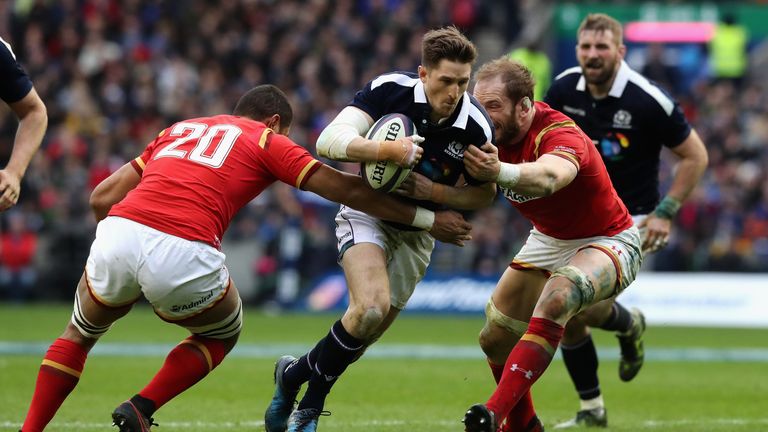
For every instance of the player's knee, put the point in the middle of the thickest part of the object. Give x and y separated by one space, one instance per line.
81 327
367 318
565 300
500 332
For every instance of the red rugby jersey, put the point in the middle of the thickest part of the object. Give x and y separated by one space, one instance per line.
198 173
589 205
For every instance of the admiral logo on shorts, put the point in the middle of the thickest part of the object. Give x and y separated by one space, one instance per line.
514 196
192 305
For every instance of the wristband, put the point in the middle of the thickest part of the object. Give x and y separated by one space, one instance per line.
395 151
509 175
667 208
424 218
437 194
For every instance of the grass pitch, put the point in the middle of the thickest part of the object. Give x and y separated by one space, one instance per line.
421 376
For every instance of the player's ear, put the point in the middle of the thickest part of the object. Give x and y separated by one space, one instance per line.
422 73
526 103
273 122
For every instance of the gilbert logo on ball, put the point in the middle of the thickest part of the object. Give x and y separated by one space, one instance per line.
385 175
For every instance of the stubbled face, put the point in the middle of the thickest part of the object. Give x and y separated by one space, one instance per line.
599 56
444 85
493 97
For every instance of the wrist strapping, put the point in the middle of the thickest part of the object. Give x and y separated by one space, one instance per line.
667 208
509 175
424 218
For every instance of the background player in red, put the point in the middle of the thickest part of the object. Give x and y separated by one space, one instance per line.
162 217
583 247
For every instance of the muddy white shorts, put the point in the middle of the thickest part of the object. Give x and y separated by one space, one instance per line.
179 277
408 252
547 254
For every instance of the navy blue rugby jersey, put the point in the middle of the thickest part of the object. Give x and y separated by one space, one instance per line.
14 81
629 126
444 143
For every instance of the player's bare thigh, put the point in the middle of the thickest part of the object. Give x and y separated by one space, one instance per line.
516 292
365 269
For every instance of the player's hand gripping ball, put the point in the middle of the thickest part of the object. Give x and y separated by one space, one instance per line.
385 175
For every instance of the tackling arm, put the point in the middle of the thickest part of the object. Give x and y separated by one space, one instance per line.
467 197
113 189
350 190
547 175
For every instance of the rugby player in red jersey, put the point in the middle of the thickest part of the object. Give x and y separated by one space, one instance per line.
161 220
583 247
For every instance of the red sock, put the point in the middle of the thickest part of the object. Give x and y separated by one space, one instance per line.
58 376
496 369
521 415
525 364
186 364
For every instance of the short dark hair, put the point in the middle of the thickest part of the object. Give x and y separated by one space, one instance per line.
446 43
264 101
600 22
517 79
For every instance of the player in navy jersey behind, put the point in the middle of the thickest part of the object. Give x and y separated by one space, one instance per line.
161 219
629 119
383 262
17 91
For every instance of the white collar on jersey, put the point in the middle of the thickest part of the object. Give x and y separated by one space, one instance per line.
420 96
619 84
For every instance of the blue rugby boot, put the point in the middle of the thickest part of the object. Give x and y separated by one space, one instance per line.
305 420
128 418
283 400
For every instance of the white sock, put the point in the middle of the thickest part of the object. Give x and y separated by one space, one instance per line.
593 403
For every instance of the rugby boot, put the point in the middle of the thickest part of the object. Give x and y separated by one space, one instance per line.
283 400
631 344
128 418
305 420
479 418
596 417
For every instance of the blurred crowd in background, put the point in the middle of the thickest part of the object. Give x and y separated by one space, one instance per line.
113 73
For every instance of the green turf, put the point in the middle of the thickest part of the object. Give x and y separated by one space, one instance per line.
379 394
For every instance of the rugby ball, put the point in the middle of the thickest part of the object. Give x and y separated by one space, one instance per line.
386 176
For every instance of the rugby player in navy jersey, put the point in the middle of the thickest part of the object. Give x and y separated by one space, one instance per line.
383 262
17 91
630 119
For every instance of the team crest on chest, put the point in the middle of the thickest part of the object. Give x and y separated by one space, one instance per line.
455 149
622 119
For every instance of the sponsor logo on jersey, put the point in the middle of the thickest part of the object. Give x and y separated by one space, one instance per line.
455 150
192 305
515 197
572 110
611 146
622 120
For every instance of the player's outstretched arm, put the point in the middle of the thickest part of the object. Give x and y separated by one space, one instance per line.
466 197
348 189
33 121
547 175
113 189
344 140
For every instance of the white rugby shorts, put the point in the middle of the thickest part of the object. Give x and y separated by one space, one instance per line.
179 277
545 253
408 252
